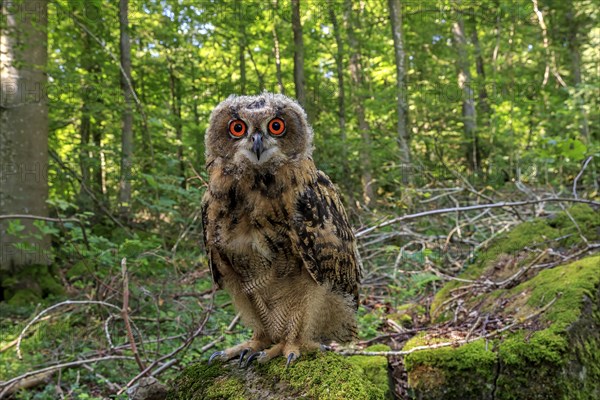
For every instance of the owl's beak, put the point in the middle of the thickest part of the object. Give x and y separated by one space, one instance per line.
257 147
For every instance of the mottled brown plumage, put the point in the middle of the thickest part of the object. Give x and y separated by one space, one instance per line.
276 233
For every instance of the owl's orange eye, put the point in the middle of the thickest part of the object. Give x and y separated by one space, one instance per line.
276 127
237 128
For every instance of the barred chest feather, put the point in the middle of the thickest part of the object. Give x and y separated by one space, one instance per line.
255 211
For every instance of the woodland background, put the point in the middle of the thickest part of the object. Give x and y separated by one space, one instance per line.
416 106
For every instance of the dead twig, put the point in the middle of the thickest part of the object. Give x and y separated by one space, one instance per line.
125 314
185 345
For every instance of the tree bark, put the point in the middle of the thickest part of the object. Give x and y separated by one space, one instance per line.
241 50
197 131
339 62
357 78
23 134
127 114
482 103
175 88
574 51
298 54
276 50
403 136
90 150
468 104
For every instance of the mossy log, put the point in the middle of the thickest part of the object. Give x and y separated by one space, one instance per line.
323 375
555 355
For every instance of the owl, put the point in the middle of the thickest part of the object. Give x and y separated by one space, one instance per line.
276 233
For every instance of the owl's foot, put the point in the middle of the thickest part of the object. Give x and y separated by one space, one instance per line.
251 346
291 351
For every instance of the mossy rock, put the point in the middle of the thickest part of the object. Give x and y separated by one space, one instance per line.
554 355
319 375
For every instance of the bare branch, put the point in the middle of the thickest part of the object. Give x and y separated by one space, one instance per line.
585 164
503 204
48 219
125 314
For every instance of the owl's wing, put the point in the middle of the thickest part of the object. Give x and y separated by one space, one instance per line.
217 277
324 239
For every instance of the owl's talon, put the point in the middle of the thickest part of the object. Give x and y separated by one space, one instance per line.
242 355
290 358
254 356
214 355
324 347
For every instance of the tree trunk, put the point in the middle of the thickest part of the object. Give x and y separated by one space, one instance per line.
574 51
241 50
298 54
356 75
175 87
23 140
276 50
401 106
127 116
468 104
90 156
339 62
482 104
197 132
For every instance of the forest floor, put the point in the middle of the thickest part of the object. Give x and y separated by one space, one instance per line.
76 345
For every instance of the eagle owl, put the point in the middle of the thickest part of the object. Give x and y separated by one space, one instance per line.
276 233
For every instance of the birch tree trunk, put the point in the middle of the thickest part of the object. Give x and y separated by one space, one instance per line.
339 62
401 106
357 77
469 116
23 137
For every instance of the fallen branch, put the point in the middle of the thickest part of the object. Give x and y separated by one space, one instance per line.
504 204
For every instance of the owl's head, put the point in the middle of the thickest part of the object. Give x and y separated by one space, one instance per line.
258 130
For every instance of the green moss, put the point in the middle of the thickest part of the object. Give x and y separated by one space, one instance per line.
406 314
196 382
543 362
318 375
434 373
374 368
328 376
225 388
